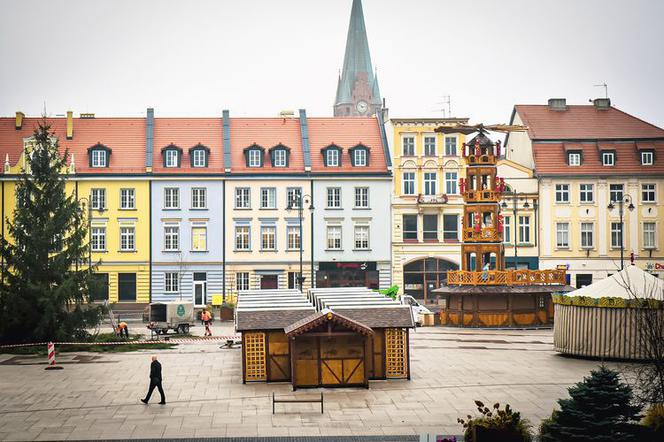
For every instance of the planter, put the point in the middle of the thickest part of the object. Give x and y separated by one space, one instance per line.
226 313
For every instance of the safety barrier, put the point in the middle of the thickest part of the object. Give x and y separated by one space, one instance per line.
167 341
51 358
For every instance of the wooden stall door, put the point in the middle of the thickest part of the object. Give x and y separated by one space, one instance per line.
378 344
305 349
342 360
254 357
278 357
396 353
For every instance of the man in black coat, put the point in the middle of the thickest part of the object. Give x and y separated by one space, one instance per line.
155 381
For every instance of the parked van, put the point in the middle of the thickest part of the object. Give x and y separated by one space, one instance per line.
416 308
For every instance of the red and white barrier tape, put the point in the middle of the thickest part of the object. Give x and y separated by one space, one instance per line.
162 341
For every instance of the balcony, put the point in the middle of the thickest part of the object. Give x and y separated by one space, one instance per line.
487 234
506 277
482 196
438 199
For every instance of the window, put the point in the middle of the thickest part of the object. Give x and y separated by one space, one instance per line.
268 198
524 230
127 199
359 157
171 282
279 157
242 198
171 158
562 193
254 158
616 235
361 197
98 158
171 198
332 157
127 239
242 281
451 146
562 235
615 192
507 229
450 227
451 183
198 198
430 227
408 146
608 158
268 238
293 279
293 234
293 196
647 158
574 158
647 193
199 239
409 183
430 146
333 197
587 235
429 183
242 238
649 236
586 193
410 227
171 238
198 158
98 239
334 237
98 199
362 237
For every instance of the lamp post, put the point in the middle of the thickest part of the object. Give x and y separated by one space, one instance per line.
621 202
526 205
300 200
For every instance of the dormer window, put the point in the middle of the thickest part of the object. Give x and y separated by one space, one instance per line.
172 155
647 157
279 156
574 158
99 155
254 155
332 156
198 156
359 156
608 158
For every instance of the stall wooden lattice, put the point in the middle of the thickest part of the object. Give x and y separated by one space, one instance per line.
396 359
254 356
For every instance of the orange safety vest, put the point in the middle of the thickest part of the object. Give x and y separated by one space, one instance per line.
122 325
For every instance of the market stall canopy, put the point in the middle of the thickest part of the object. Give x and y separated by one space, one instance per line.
629 283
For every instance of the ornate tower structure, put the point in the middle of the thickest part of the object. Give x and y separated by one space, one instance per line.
357 88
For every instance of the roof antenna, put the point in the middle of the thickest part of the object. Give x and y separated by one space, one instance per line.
606 89
447 112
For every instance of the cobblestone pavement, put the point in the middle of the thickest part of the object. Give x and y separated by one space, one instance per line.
96 395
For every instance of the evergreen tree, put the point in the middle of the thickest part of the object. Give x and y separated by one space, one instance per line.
44 292
600 409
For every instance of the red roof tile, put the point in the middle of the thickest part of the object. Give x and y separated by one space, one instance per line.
584 122
346 133
186 133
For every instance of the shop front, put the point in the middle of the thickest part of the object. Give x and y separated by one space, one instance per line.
347 274
422 276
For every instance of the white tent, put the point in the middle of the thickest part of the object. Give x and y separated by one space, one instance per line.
629 283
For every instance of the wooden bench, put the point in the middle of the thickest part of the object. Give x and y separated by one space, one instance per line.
300 401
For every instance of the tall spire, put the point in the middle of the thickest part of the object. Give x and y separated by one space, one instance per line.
358 82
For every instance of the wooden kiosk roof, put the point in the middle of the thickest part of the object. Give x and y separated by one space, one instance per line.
319 318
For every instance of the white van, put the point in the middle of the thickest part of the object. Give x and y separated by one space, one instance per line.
416 308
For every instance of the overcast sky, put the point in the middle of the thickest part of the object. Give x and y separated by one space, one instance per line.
257 57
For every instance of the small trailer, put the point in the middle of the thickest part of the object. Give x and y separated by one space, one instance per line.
165 316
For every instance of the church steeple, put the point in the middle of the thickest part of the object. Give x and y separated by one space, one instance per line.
357 89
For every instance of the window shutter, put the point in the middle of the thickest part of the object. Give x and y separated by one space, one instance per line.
324 157
339 155
367 156
90 157
179 155
207 155
107 154
352 156
287 158
272 157
163 157
261 156
192 153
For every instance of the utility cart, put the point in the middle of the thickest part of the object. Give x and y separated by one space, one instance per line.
176 316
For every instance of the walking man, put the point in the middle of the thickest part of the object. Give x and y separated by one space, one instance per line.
155 381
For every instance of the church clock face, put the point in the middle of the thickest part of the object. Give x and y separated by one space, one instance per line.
362 107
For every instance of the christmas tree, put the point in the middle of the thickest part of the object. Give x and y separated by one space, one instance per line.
45 286
600 409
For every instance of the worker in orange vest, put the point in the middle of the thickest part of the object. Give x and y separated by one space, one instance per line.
123 330
207 318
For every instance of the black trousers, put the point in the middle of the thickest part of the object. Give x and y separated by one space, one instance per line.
155 383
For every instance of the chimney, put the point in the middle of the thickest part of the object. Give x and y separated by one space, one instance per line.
19 120
70 125
602 103
557 104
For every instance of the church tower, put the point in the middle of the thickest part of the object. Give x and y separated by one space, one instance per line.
357 89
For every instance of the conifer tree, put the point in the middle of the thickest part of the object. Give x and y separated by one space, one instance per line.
600 409
45 284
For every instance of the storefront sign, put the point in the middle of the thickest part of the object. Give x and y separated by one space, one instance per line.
367 265
432 199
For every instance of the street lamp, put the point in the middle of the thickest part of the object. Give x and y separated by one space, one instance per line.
297 201
621 202
526 205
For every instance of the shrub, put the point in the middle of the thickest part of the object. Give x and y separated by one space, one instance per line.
505 424
654 420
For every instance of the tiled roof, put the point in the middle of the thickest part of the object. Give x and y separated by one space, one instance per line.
268 319
346 133
186 133
319 318
550 159
267 133
584 122
124 136
379 317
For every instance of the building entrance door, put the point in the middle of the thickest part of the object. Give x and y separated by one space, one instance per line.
269 282
127 287
200 289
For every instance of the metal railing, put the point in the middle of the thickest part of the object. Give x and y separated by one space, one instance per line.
506 277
